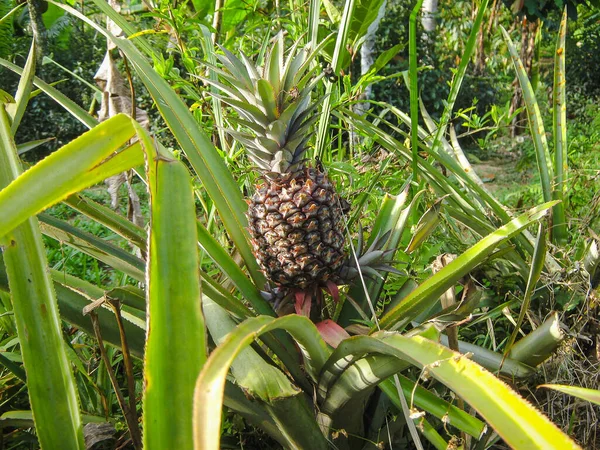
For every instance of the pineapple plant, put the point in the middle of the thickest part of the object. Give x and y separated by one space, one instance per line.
295 217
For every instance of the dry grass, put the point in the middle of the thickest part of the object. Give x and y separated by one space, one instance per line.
577 363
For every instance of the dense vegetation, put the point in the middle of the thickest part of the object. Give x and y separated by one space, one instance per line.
219 228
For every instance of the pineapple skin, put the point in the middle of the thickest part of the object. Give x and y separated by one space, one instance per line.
297 228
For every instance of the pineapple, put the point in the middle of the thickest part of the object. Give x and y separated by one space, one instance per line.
295 216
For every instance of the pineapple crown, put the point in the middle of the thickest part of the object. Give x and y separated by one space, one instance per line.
273 103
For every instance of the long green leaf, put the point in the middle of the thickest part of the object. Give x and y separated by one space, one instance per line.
391 218
494 361
444 185
110 219
279 343
459 77
232 270
83 162
71 303
513 418
73 295
96 247
175 345
433 404
536 124
331 89
429 291
253 374
69 105
266 384
313 22
11 12
352 349
50 382
561 164
590 395
255 414
17 109
414 89
374 369
537 264
208 396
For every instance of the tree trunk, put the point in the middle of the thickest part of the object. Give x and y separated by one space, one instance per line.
38 29
428 13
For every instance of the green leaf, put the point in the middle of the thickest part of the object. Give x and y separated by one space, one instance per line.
537 264
512 417
71 302
267 94
252 373
332 89
208 396
11 12
175 345
590 395
536 124
363 15
69 105
414 88
493 361
24 419
332 12
459 77
384 58
28 146
429 291
250 410
96 247
561 166
425 226
14 368
110 219
392 217
50 382
234 273
261 381
83 162
17 109
273 67
434 405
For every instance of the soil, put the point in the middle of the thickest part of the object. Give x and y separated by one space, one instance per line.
501 174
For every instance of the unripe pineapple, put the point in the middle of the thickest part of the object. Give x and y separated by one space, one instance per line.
295 216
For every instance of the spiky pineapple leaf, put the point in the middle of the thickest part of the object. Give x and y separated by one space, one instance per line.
589 395
429 291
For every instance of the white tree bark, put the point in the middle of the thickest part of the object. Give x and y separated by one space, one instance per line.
428 13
